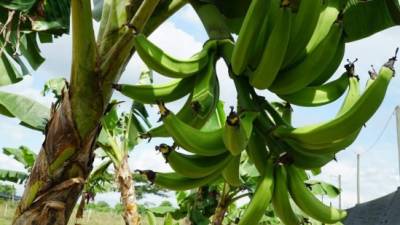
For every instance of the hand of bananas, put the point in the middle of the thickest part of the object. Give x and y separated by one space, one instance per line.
292 50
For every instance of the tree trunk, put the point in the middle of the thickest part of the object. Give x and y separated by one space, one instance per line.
66 157
220 212
59 173
125 183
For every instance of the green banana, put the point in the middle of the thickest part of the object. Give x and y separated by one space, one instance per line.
253 20
150 94
305 159
328 15
237 131
205 89
206 143
308 203
352 95
261 198
176 182
280 199
197 110
293 154
158 60
193 166
364 18
303 26
330 70
231 172
274 51
319 95
298 77
337 145
351 120
262 36
257 150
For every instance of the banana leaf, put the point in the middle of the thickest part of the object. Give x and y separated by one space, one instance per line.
30 50
54 86
365 18
32 114
13 176
8 73
322 188
20 5
23 155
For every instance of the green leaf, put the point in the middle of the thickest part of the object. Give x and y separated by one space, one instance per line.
23 155
54 18
322 188
151 218
55 85
197 218
20 5
168 220
31 113
30 50
8 73
13 176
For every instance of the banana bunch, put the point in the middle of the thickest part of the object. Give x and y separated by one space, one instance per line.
292 48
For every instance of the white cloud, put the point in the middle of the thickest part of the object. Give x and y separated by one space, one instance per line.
189 15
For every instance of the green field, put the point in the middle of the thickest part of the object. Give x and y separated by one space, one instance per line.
91 217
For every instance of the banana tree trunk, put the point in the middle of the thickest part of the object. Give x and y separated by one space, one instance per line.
220 212
66 157
128 198
59 173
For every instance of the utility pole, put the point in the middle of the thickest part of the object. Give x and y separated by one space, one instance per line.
358 178
398 131
340 188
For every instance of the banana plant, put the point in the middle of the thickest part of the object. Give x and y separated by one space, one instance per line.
118 137
24 156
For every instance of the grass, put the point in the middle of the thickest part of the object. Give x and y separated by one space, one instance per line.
91 217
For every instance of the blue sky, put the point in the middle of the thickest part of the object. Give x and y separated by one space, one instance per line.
183 36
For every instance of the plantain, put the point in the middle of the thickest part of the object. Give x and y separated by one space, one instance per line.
274 51
176 182
303 26
193 166
319 95
206 143
231 173
300 76
150 94
280 198
160 61
253 20
257 150
197 110
329 14
237 131
308 203
330 70
261 198
349 121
